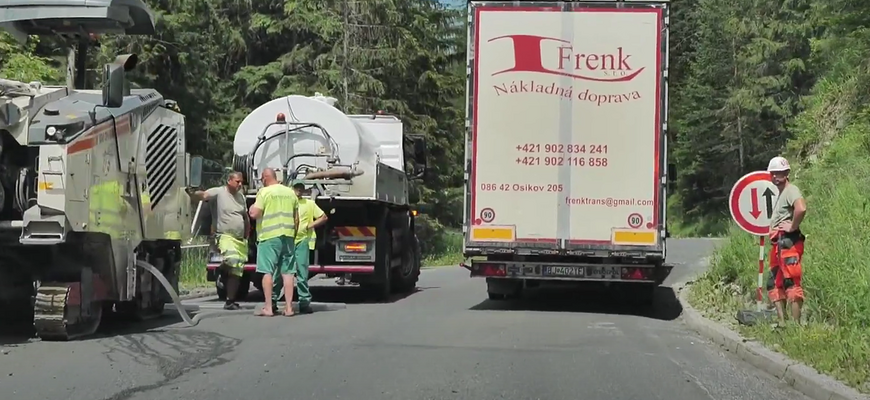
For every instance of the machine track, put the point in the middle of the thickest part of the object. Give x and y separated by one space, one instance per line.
56 319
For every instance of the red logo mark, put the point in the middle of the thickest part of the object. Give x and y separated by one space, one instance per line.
528 58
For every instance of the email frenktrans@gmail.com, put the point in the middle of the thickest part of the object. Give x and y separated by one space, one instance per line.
609 202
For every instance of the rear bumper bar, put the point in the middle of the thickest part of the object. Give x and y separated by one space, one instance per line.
212 268
579 272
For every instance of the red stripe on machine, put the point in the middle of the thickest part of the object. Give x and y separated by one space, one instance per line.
89 139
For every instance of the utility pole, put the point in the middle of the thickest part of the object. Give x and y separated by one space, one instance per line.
344 70
367 44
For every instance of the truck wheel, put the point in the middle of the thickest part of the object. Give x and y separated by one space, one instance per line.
221 285
220 288
407 276
258 281
496 296
244 288
383 263
642 295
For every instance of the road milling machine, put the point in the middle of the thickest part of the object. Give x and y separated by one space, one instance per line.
358 168
92 182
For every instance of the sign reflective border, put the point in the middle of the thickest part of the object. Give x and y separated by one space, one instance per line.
751 202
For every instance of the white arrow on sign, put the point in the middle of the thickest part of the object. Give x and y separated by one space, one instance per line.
751 202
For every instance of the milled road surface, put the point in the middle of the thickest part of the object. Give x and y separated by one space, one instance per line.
444 342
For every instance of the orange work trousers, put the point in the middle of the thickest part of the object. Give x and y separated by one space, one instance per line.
784 282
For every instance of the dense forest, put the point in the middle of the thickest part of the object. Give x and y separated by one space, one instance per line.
741 71
748 80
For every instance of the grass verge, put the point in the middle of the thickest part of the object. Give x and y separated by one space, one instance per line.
449 252
682 226
192 274
836 337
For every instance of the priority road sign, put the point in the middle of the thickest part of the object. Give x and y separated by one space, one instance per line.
751 202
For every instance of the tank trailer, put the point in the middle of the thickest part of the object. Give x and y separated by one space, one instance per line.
356 168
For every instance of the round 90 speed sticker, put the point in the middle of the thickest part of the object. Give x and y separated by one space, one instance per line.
487 215
635 220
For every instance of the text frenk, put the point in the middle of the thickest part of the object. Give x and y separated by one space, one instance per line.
609 67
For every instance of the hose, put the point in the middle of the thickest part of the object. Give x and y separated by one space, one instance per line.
175 299
172 293
243 164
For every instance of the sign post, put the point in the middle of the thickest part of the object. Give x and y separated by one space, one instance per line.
751 205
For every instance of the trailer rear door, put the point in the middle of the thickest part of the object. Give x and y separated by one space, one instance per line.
567 108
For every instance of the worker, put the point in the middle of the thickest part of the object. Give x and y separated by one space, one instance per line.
787 242
276 210
311 216
231 226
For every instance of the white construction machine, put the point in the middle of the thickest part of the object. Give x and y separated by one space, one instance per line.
356 167
92 182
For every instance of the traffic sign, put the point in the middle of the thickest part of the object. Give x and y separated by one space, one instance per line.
487 215
751 202
635 220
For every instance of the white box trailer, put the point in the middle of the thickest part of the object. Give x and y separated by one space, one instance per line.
566 172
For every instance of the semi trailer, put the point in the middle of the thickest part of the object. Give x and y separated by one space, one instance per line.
566 146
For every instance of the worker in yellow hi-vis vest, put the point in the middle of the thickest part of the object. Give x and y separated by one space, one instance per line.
277 215
310 217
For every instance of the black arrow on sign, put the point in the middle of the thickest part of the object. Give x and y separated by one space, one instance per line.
768 198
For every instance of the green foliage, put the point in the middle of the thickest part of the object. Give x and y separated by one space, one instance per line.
832 149
17 62
746 67
221 59
192 274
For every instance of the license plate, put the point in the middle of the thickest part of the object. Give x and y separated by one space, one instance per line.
558 270
603 272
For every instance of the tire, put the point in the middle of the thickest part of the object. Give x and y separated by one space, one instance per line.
258 281
406 277
244 288
642 295
221 286
382 290
496 296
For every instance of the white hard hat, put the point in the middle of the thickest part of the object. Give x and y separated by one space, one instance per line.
778 164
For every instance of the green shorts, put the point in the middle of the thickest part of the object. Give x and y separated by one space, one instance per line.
234 252
275 256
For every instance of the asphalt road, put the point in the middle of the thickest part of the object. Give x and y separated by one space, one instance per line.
445 341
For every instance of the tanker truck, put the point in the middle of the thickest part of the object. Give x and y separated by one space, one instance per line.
566 147
93 202
356 168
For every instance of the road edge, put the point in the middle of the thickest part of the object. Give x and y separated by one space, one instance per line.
801 377
198 294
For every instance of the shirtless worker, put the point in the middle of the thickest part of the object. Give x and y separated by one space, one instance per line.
276 210
231 225
787 242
